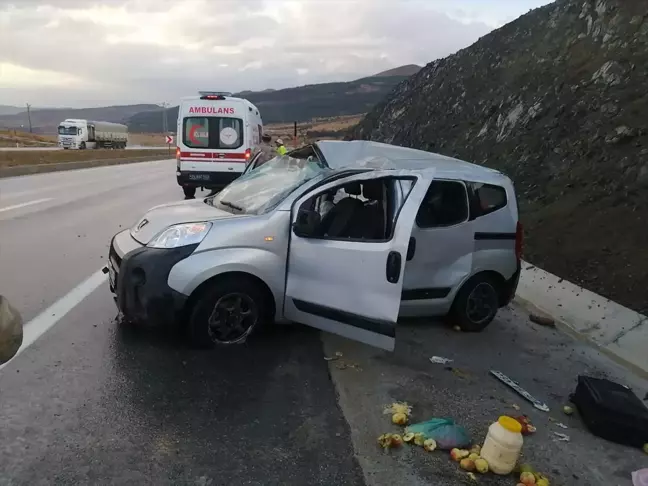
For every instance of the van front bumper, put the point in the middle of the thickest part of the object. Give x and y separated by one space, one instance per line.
210 180
139 281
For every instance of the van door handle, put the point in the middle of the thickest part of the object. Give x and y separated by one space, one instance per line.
393 266
411 249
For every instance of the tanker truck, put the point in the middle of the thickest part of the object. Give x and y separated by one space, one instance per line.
87 134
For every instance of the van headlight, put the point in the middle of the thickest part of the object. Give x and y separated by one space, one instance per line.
180 235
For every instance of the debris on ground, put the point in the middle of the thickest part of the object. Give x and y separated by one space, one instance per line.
645 448
337 356
562 437
388 441
445 432
527 427
472 476
567 410
398 408
529 477
440 360
542 320
521 391
561 425
457 328
515 406
464 375
640 477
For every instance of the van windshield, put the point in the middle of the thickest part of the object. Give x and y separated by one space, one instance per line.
263 188
212 132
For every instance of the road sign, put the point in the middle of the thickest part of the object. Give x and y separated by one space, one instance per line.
169 139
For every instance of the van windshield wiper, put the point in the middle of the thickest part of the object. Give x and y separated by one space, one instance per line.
231 205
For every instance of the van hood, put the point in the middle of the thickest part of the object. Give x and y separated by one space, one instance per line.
165 215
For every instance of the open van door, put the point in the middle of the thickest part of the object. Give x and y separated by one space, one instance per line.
352 287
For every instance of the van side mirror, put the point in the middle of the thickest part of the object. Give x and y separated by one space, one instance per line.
307 223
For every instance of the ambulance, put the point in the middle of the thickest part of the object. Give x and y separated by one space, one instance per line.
217 135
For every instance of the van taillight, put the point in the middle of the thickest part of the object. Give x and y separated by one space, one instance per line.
177 153
519 236
248 153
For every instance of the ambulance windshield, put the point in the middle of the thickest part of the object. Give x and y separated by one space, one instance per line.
212 132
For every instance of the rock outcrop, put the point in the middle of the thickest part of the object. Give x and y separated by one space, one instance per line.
558 100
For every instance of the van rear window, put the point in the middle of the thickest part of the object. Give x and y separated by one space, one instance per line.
212 132
490 198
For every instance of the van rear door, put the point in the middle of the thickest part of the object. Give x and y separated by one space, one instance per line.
213 138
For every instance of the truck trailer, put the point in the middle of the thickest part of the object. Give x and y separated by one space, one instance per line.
87 134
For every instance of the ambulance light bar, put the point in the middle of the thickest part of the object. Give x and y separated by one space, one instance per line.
213 95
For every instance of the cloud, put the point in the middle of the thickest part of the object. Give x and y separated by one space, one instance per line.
125 51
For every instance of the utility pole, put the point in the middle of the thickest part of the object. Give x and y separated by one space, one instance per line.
29 117
165 127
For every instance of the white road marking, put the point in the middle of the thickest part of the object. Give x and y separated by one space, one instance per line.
42 323
22 205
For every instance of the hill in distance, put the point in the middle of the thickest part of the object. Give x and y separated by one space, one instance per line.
46 120
407 70
556 100
303 103
10 110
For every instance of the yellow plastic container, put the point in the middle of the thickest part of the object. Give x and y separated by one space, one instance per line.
503 445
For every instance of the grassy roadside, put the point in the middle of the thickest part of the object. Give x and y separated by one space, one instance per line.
19 158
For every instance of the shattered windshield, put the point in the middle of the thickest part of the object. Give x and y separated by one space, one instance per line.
264 187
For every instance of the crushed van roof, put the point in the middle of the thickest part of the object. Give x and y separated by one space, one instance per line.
361 153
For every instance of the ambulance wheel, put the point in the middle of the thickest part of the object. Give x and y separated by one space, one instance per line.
476 304
227 311
189 192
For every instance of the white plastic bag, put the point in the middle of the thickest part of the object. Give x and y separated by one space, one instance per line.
11 331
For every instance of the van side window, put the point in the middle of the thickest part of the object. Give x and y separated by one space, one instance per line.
490 198
445 204
361 211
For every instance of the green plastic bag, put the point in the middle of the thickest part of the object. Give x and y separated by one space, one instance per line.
444 431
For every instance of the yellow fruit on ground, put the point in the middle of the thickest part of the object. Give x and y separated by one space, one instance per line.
467 464
476 449
454 454
542 482
645 448
473 456
568 410
419 439
399 418
396 440
409 437
481 465
430 445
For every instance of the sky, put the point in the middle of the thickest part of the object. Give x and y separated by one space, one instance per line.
80 53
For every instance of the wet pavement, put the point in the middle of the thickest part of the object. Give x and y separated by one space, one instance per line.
94 401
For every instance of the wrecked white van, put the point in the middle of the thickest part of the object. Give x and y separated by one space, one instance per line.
342 236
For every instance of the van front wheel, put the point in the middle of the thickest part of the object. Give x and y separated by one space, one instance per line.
476 304
227 312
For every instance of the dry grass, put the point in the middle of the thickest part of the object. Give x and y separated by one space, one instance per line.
9 138
339 125
147 139
35 157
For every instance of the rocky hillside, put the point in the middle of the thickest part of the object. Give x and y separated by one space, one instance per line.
557 99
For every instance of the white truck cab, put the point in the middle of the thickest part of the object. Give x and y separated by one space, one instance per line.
404 233
217 136
86 134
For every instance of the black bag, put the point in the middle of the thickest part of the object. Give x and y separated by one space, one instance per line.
611 411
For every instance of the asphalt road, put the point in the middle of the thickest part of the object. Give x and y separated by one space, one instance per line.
92 401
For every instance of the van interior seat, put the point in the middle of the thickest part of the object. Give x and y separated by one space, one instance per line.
337 222
369 223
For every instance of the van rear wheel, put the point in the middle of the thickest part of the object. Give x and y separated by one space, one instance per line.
476 304
227 312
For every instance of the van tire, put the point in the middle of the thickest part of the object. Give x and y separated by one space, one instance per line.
235 299
476 304
189 192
